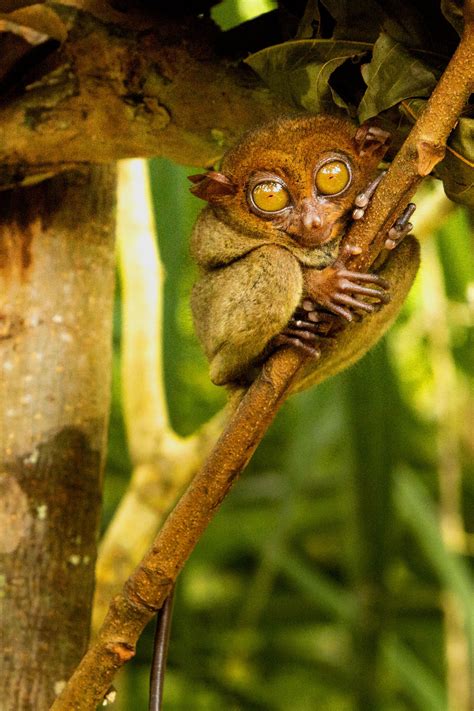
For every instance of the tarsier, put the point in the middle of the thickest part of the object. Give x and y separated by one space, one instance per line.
269 248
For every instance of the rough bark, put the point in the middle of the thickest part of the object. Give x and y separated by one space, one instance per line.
56 296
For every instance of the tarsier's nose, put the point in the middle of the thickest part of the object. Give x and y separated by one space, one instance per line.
310 215
311 220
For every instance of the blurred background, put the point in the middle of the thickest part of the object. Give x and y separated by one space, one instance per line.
338 574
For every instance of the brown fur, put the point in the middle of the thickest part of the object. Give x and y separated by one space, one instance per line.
252 268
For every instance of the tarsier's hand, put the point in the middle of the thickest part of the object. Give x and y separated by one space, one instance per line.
401 227
341 291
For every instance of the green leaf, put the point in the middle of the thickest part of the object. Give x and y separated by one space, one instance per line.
415 678
329 595
393 75
416 510
300 71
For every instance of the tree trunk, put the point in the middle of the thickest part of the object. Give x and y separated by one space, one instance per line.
56 299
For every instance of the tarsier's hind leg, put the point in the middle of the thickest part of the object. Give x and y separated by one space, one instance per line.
358 337
240 308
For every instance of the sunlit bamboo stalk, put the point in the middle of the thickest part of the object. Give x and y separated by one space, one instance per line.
448 407
141 275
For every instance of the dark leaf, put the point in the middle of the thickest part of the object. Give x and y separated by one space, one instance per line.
355 20
300 71
311 19
394 74
457 169
452 10
404 20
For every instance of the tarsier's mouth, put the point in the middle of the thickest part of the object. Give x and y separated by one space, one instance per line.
317 237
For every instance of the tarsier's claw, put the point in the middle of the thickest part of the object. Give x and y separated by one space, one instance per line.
363 276
310 312
302 333
339 311
372 140
349 250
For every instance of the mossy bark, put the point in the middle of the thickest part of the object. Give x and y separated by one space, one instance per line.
170 94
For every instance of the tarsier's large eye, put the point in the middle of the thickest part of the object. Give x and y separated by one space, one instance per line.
270 196
332 177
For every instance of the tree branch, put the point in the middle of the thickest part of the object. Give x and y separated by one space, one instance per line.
167 90
147 588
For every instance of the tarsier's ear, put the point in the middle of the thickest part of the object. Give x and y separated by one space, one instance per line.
371 141
211 186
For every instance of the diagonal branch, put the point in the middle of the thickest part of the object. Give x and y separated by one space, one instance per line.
146 589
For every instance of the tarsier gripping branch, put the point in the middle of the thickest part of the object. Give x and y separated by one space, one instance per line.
271 248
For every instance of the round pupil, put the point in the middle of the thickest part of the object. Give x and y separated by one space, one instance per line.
332 177
270 196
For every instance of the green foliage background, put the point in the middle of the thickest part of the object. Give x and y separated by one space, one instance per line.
324 581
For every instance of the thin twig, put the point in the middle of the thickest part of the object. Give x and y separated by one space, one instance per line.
147 588
160 653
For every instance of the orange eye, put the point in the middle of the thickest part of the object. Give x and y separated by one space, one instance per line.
332 177
270 196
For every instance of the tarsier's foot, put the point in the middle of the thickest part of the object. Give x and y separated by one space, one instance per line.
301 333
401 227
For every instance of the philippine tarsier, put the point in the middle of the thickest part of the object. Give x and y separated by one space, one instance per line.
269 248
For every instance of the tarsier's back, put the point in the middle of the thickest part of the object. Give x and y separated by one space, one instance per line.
269 248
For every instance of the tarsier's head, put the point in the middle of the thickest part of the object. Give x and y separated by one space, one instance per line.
296 176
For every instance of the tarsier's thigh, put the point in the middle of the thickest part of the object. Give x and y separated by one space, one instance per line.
357 338
239 308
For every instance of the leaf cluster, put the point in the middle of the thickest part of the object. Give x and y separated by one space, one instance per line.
373 62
